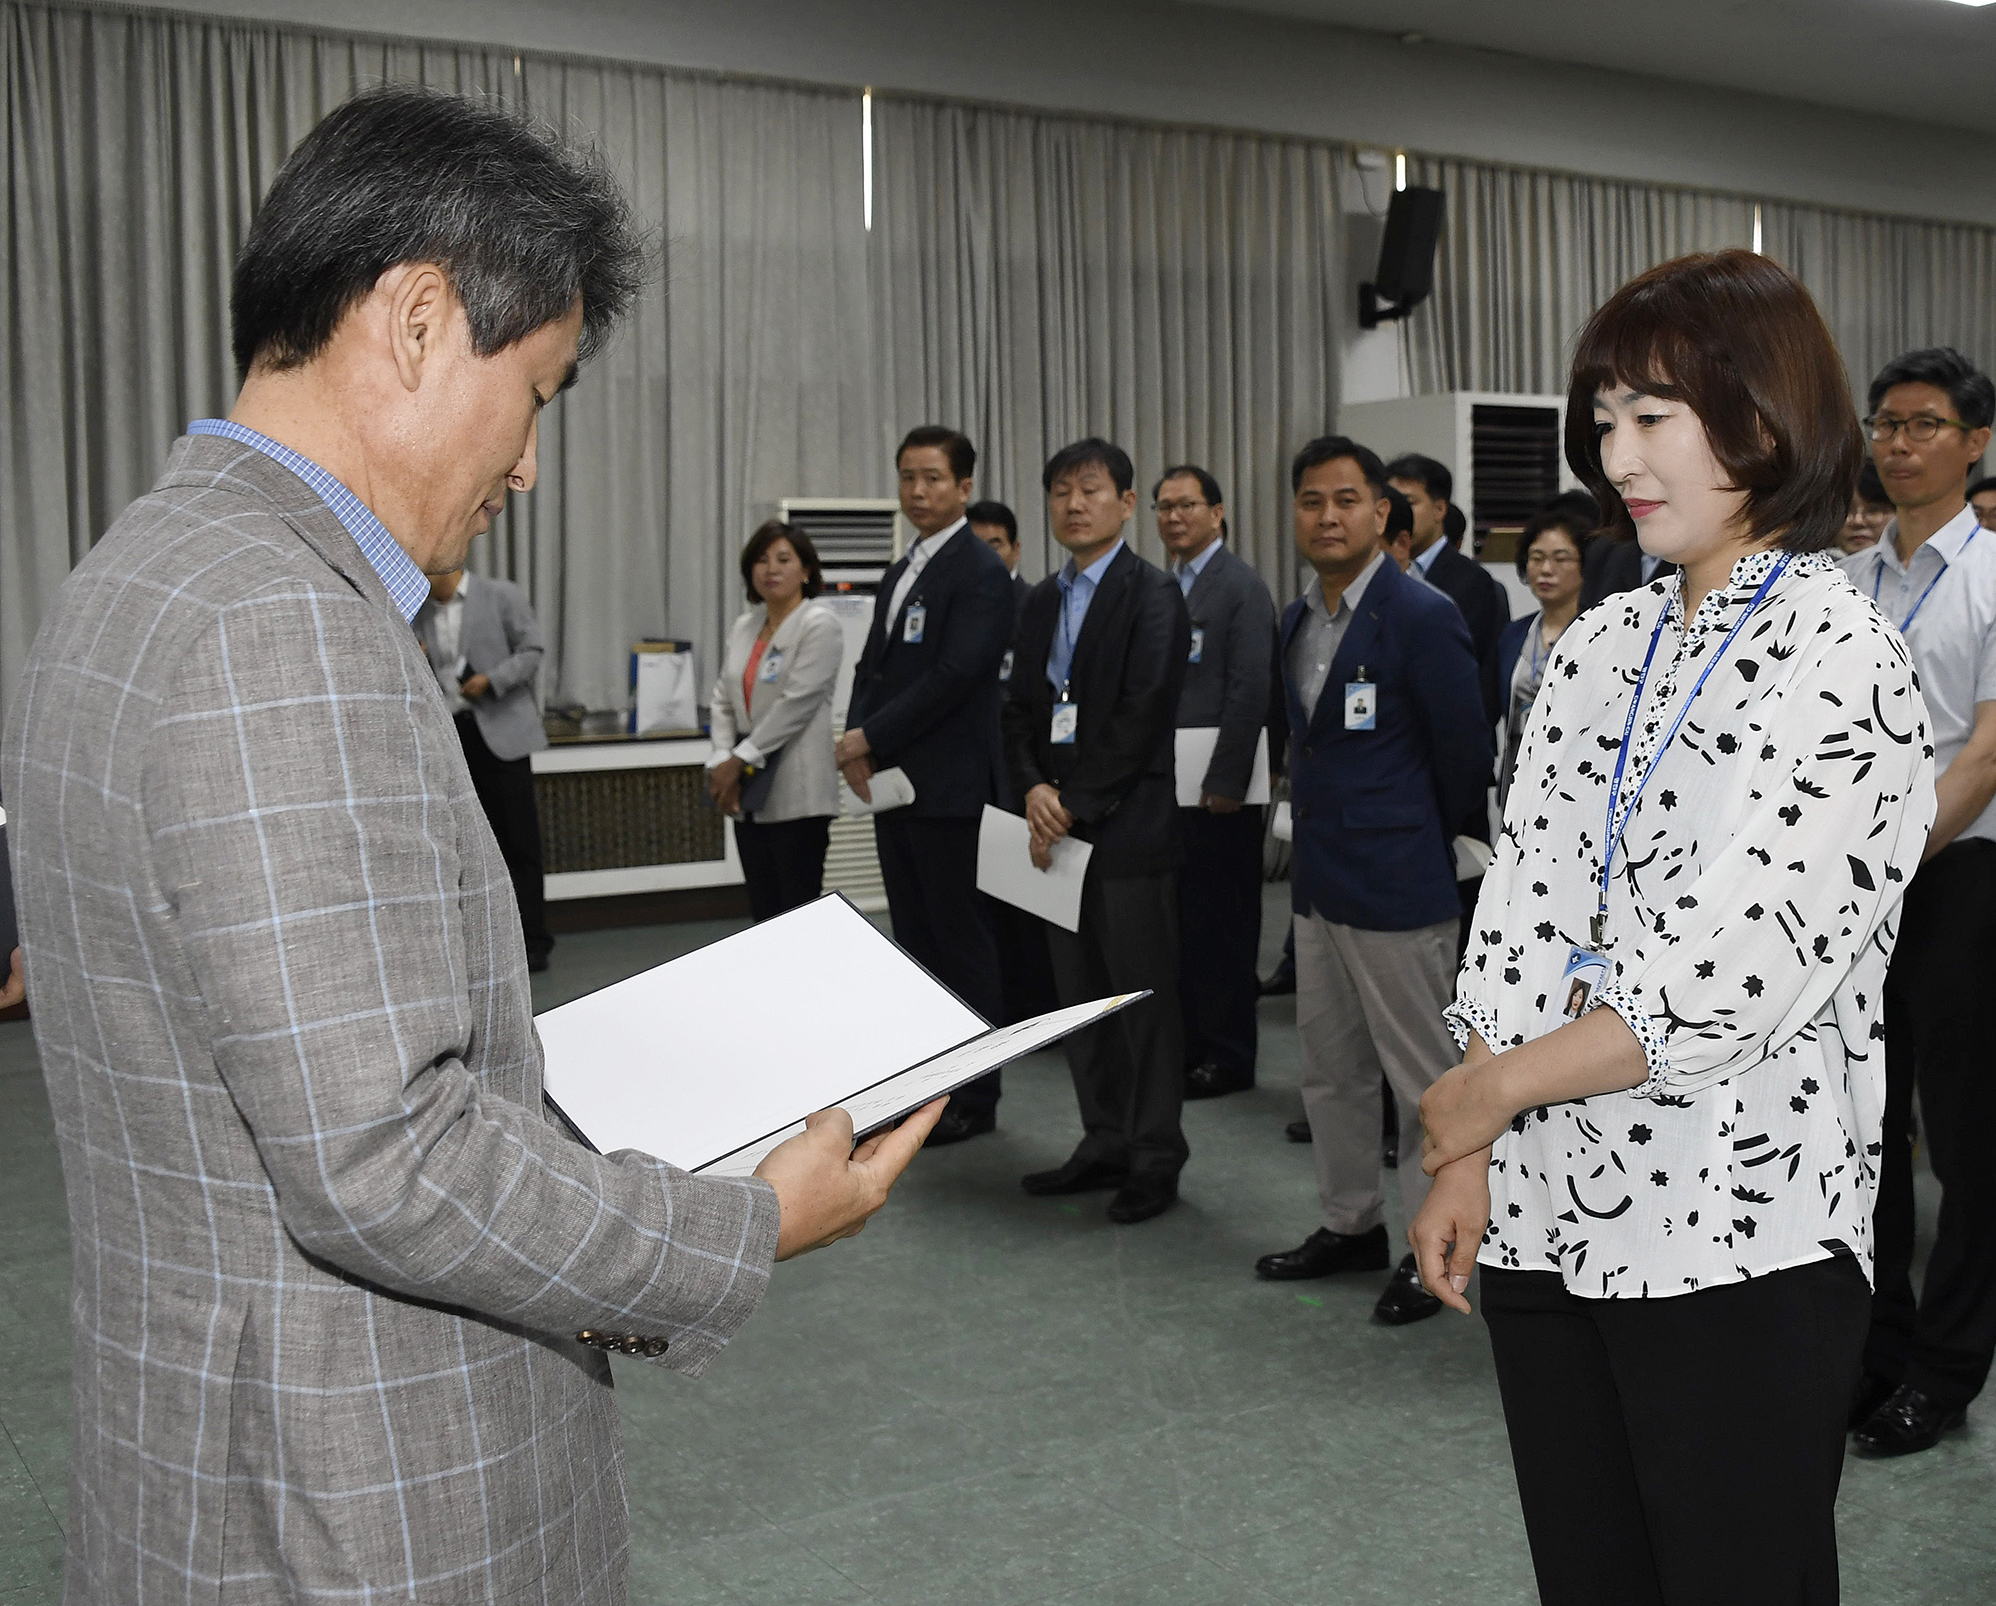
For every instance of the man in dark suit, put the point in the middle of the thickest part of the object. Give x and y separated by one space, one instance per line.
1089 733
1227 677
1025 969
1615 565
1388 750
925 699
1485 607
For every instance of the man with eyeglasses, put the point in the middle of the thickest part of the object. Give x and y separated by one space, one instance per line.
1933 574
1228 687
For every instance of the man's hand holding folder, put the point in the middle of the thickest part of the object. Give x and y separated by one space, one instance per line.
825 1188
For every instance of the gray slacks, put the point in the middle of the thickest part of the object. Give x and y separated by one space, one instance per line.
1369 1002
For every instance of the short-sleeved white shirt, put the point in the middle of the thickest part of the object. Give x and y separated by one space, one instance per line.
1952 637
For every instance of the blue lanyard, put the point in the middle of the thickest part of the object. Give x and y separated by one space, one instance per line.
1878 574
1613 835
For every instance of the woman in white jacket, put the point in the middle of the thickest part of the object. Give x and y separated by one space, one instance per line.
771 722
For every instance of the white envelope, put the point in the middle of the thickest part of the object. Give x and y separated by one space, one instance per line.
891 789
1006 871
1195 757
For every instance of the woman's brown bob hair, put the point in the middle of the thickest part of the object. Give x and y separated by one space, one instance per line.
800 543
1735 338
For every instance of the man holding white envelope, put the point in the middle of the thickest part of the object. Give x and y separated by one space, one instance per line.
1223 715
1089 726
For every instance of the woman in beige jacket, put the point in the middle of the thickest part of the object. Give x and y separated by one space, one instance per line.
771 722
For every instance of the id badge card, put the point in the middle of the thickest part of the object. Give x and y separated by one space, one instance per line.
1361 705
912 622
1198 644
770 667
1584 975
1066 720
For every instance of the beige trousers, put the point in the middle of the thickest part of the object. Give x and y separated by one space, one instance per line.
1369 1002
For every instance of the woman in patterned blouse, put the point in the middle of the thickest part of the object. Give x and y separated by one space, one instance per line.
1724 787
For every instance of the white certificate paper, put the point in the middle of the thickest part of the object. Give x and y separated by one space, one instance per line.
1005 870
710 1061
1195 758
890 789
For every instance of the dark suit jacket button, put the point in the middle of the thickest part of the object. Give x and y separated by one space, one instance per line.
655 1347
1301 812
1308 751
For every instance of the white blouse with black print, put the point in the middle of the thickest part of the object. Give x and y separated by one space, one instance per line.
1750 918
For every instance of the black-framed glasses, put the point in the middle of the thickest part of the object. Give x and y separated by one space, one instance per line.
1181 505
1921 427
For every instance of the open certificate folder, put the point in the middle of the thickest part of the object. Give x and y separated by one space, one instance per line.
710 1061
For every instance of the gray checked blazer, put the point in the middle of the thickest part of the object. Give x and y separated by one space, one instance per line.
497 637
1231 682
792 714
331 1260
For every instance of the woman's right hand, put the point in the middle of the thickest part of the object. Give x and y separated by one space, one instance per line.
1449 1228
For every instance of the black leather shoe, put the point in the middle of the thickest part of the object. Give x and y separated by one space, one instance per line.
1325 1252
1210 1080
1077 1176
1297 1131
958 1123
1282 983
1405 1300
1872 1392
1141 1198
1907 1422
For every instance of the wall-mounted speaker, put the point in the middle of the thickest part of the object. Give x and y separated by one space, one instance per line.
1406 271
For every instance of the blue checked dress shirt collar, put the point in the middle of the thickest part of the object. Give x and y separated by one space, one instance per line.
408 587
1188 574
1076 592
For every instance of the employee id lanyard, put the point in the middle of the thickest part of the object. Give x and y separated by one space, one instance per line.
1878 575
1614 834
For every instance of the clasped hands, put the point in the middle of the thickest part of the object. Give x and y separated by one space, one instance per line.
724 784
854 757
1048 822
1462 1114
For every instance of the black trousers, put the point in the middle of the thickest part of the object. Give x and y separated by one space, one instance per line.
929 867
783 862
1935 1040
1025 968
1682 1451
1129 1070
1219 936
506 793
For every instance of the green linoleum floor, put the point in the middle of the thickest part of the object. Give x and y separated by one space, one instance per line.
988 1399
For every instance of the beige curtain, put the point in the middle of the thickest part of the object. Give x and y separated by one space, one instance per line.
1039 279
134 148
1526 256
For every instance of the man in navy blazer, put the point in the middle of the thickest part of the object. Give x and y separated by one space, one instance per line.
1389 752
925 699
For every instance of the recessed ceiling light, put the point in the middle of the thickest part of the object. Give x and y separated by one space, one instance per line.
1975 2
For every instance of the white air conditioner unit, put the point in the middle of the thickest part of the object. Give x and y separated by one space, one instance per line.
857 538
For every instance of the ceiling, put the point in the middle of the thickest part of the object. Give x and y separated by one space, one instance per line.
1927 61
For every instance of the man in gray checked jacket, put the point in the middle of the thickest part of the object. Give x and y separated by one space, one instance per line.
342 1294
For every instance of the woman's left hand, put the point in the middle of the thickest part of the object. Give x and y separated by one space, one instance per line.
1464 1111
724 777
